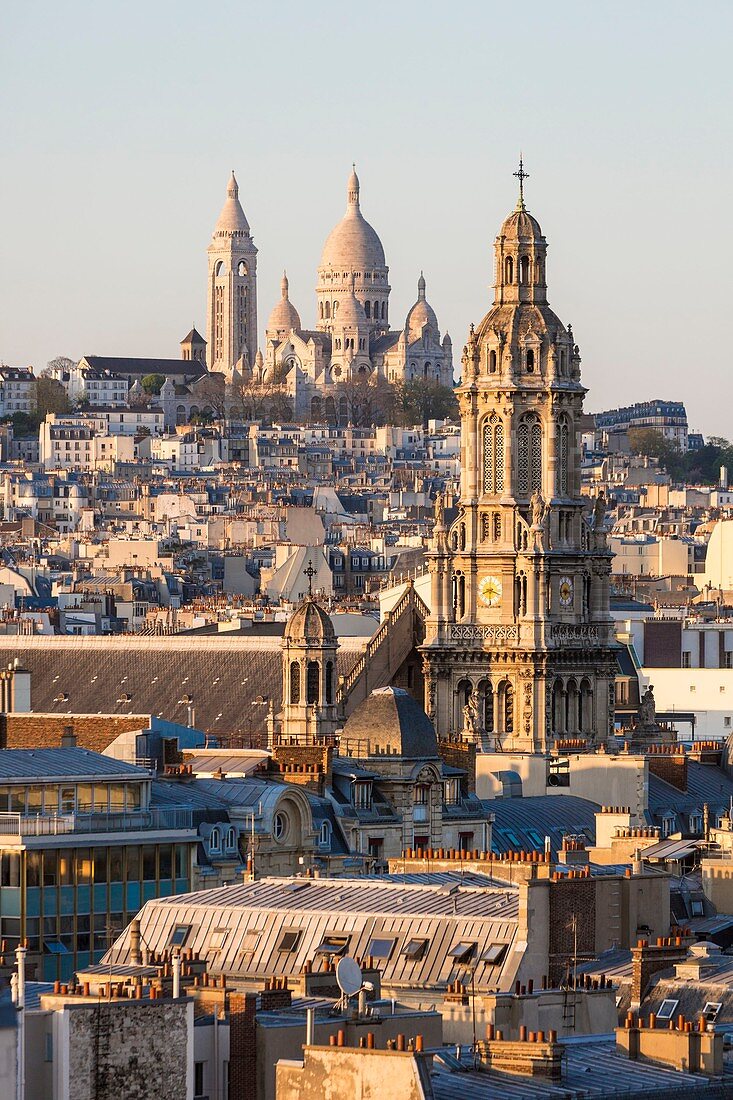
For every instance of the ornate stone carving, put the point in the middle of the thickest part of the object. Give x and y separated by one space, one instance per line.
475 632
572 634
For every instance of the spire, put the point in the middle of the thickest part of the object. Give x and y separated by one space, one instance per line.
233 187
421 288
232 221
521 175
352 189
284 286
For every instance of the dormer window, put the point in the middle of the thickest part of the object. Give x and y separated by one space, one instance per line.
215 840
362 794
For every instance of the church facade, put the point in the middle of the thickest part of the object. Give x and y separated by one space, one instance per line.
518 650
351 342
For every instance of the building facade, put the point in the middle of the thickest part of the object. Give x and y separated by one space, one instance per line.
518 649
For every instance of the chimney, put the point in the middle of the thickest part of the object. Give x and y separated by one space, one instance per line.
647 960
723 477
20 700
135 955
68 738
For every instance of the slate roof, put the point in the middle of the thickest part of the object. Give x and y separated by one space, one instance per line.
225 676
523 823
125 365
705 784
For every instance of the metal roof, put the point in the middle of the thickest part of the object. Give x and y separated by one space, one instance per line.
255 915
62 763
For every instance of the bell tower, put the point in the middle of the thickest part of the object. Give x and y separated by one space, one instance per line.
519 647
232 289
309 673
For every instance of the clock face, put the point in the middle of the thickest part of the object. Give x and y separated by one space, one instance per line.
566 591
489 591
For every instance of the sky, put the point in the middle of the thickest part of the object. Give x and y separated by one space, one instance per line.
120 123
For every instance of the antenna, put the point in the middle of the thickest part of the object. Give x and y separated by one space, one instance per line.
348 976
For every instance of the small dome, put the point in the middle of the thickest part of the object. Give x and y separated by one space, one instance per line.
309 624
350 311
284 316
390 720
353 244
521 226
232 219
422 313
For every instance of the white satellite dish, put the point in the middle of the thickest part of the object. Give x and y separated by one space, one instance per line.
348 976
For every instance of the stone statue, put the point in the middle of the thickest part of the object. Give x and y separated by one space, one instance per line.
538 509
471 723
648 709
439 509
599 511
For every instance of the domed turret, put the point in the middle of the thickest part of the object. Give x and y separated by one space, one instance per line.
310 625
421 314
351 311
284 317
231 221
391 721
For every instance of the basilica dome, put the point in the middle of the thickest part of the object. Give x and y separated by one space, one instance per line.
421 314
353 245
284 316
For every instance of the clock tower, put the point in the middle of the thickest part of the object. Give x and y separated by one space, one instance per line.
519 646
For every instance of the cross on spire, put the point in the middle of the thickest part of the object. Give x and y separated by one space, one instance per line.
310 573
521 175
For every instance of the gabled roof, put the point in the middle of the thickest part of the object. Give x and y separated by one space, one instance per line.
122 364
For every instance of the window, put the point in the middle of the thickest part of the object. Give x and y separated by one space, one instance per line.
494 455
667 1009
325 837
415 949
686 659
728 659
332 945
529 456
231 839
198 1079
695 823
294 682
250 941
215 840
375 845
313 682
563 455
462 951
668 823
381 948
280 826
697 907
362 795
711 1010
217 939
179 935
495 954
289 941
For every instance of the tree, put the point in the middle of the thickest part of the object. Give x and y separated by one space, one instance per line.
61 364
51 396
153 383
251 399
210 390
419 400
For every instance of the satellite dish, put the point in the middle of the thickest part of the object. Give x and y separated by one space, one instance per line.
348 976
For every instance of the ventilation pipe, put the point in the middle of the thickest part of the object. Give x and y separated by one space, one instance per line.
176 975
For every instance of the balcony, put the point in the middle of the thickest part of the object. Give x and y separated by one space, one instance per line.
58 824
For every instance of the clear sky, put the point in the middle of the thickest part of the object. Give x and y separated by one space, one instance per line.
120 123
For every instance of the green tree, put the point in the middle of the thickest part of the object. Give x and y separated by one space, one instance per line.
50 397
152 383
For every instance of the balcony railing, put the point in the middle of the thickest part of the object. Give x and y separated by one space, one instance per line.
58 824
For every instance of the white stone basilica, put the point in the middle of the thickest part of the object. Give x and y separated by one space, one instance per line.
352 340
518 649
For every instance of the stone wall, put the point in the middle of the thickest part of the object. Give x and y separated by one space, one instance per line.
133 1050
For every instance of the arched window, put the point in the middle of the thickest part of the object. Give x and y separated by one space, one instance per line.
313 682
571 707
335 308
563 455
558 707
325 838
241 268
231 841
220 269
294 682
368 309
529 456
530 361
384 310
539 271
493 455
321 304
508 270
488 707
329 682
586 706
507 701
524 269
215 839
327 311
492 362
